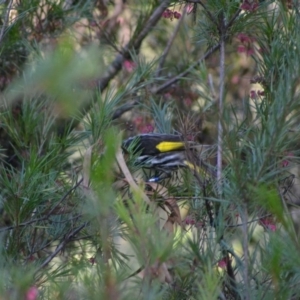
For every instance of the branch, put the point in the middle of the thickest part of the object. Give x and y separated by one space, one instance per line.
133 44
230 272
220 106
210 16
232 282
186 72
124 108
229 24
204 57
67 239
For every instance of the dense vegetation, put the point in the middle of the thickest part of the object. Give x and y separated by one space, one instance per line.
79 218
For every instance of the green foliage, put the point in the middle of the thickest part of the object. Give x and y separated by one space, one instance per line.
70 209
162 116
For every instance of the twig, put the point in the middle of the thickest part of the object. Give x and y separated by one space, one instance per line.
186 72
249 222
5 22
124 108
232 19
211 84
244 216
169 44
210 16
134 44
229 24
230 272
128 176
67 239
48 214
205 56
65 196
220 104
112 20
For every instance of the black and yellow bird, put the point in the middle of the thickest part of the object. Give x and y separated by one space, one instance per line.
167 152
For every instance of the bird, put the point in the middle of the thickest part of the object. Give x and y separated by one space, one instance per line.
167 152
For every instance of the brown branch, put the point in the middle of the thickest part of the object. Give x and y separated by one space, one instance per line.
124 108
134 44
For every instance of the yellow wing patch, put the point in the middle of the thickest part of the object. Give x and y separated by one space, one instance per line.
169 146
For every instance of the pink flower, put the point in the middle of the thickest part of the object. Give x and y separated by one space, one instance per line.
247 42
244 38
249 5
268 223
253 94
147 128
31 258
188 101
143 125
189 220
235 79
177 15
32 293
272 227
241 49
245 49
190 8
138 121
222 263
92 260
129 65
167 95
286 162
190 137
93 23
250 51
256 94
167 14
199 224
260 93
